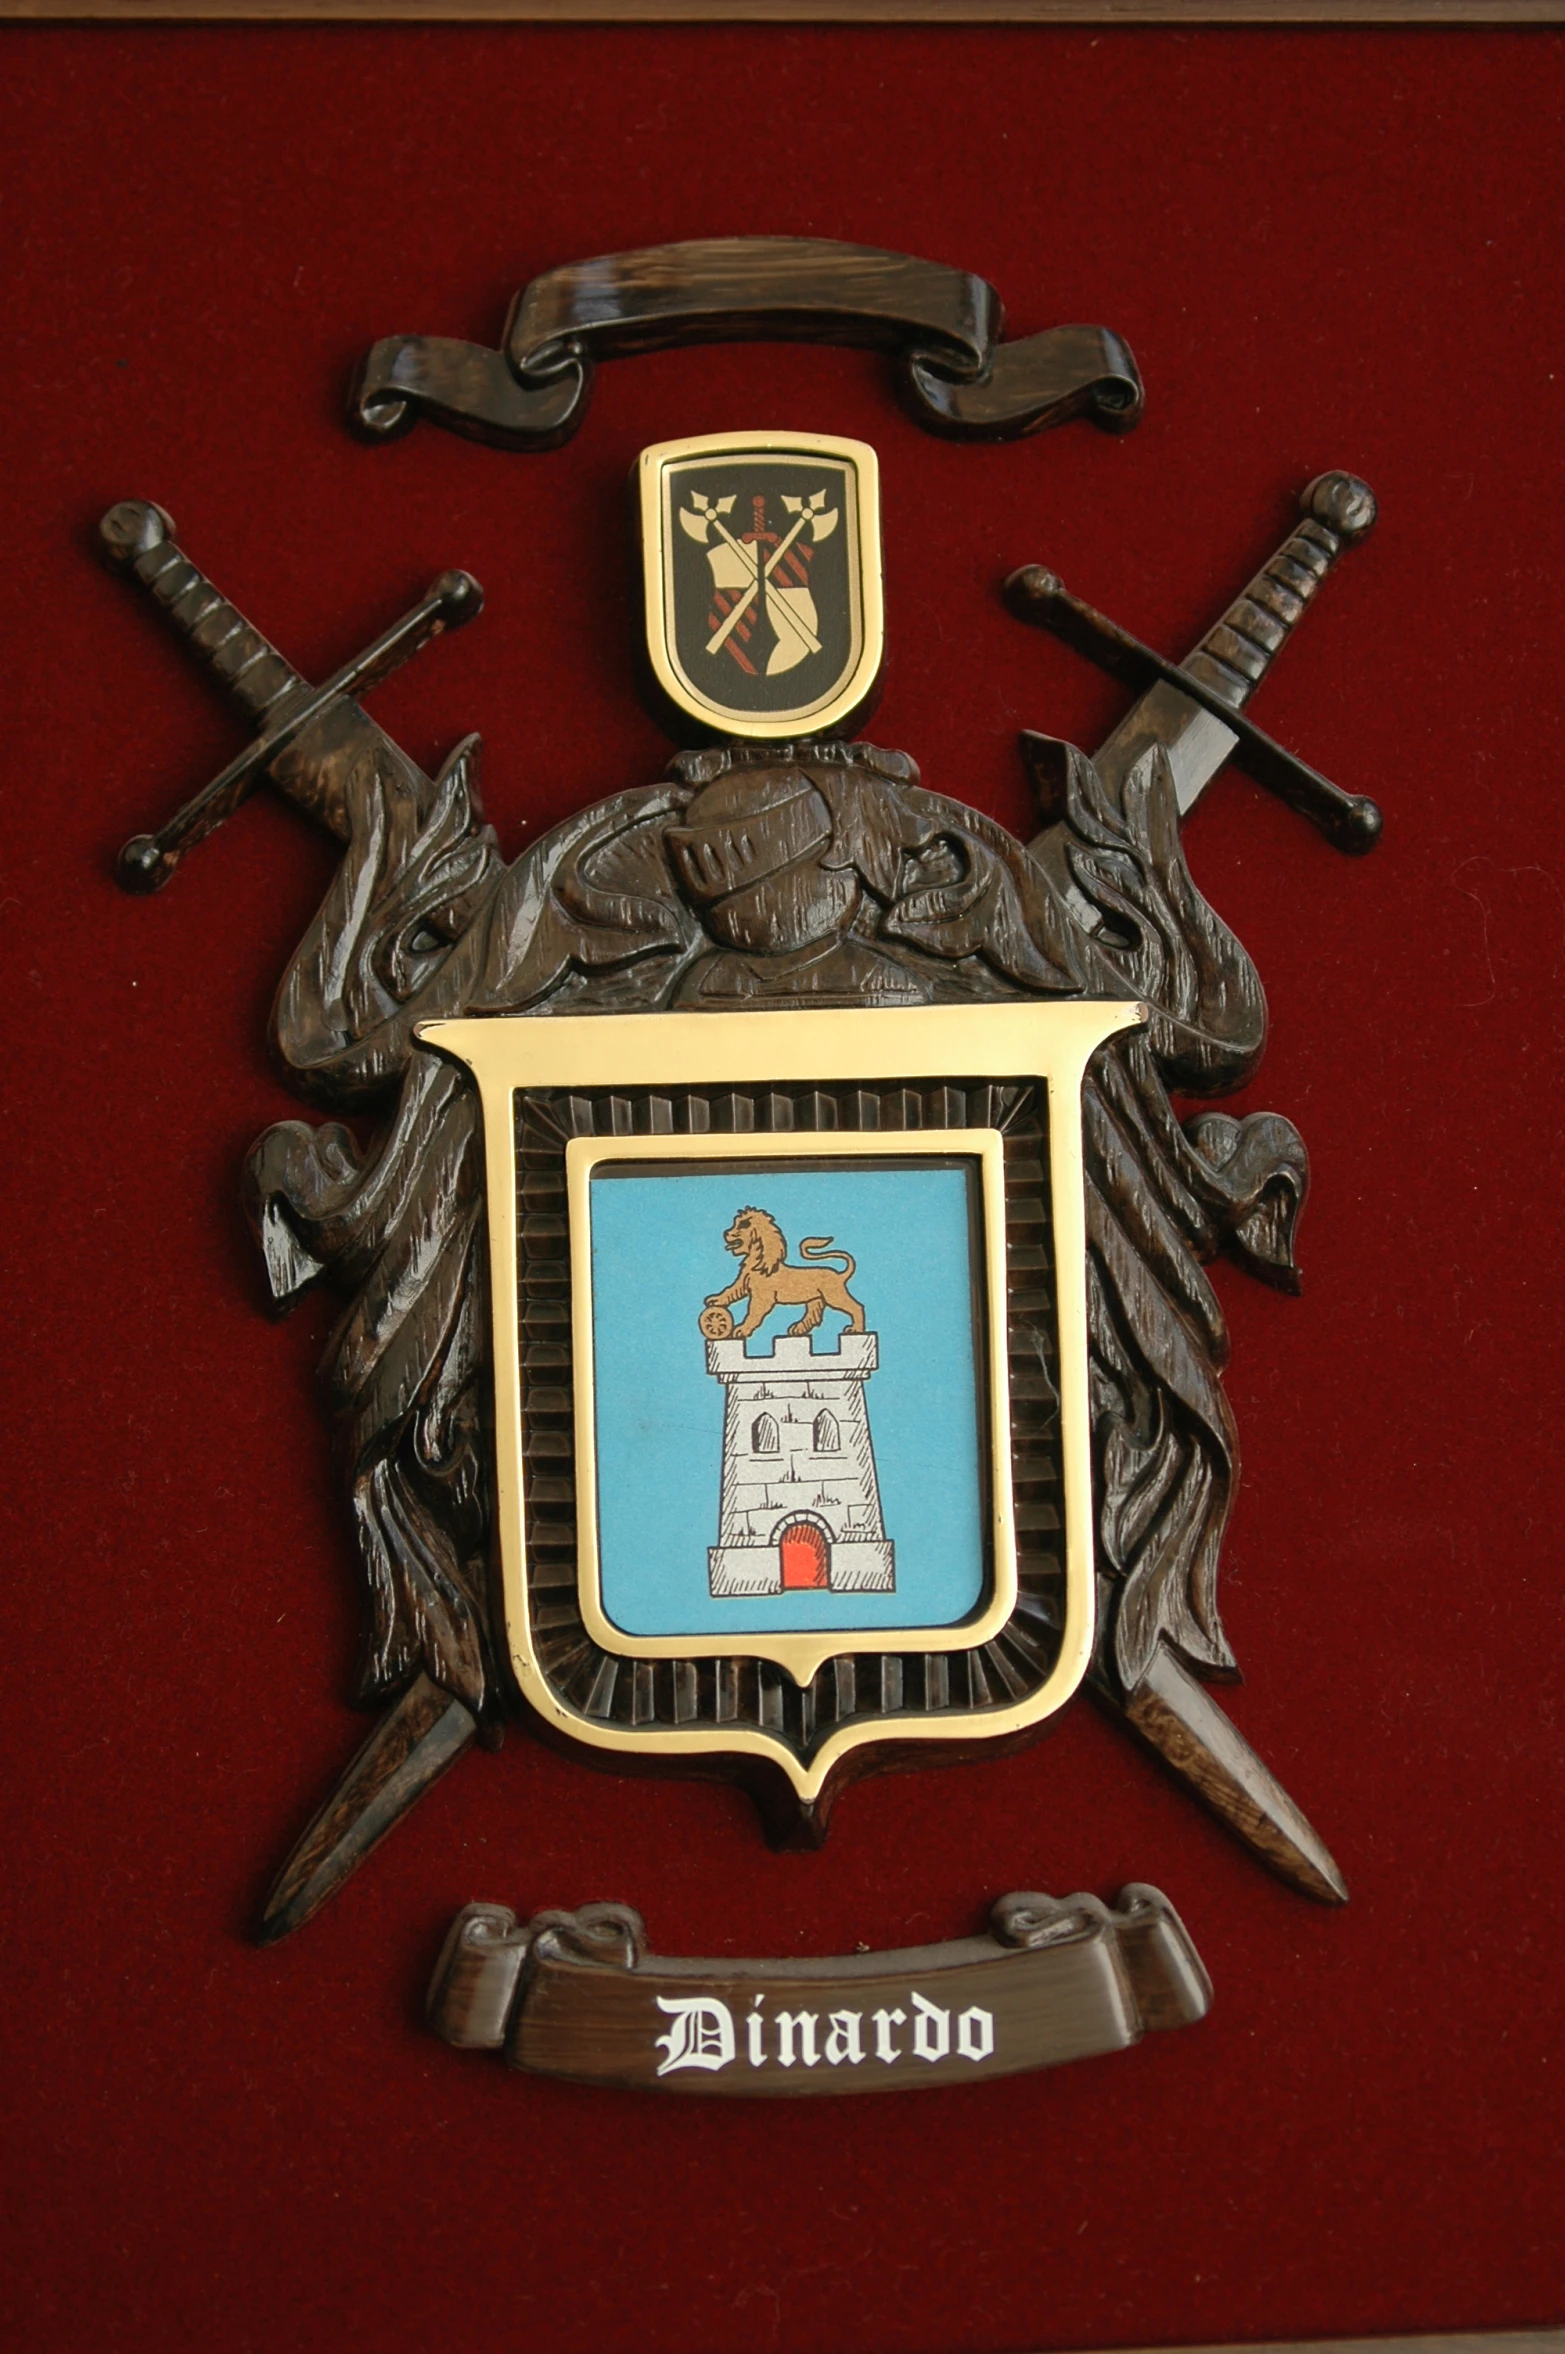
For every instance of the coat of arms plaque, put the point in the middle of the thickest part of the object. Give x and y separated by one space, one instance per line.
776 1340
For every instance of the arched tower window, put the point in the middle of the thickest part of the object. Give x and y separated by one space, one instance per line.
763 1436
828 1439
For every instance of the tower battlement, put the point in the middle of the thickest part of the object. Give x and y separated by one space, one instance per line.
855 1357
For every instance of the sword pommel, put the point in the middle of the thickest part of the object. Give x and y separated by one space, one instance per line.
134 528
1343 503
139 538
1233 657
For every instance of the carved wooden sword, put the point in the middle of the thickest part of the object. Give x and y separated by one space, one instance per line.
1194 713
1194 710
138 538
424 1730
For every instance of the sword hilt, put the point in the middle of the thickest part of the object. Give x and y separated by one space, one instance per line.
1230 662
139 537
1234 655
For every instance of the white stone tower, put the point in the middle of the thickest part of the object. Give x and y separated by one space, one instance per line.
801 1503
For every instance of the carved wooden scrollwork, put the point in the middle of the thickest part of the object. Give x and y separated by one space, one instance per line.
868 889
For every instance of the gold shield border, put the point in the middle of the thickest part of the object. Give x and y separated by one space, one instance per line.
1048 1044
658 469
797 1654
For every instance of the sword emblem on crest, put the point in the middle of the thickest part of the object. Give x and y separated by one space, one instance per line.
761 583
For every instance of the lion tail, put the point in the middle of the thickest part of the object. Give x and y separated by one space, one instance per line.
818 1246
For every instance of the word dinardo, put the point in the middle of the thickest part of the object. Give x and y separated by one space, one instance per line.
701 2035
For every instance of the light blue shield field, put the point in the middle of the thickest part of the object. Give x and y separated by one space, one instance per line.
886 1466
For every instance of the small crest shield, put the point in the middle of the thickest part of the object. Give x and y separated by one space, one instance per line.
763 586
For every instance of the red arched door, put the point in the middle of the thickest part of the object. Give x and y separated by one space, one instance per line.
804 1554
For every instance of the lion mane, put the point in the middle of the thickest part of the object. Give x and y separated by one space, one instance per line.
765 1248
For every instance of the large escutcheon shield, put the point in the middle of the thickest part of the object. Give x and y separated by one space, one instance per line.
858 1511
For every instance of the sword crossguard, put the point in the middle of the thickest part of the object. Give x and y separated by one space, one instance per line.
138 538
1224 670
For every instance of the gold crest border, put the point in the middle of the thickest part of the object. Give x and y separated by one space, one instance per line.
1047 1044
799 1655
861 464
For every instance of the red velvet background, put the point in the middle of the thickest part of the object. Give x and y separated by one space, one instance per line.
1326 249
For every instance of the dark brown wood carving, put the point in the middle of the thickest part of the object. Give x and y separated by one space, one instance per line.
578 1995
873 891
945 325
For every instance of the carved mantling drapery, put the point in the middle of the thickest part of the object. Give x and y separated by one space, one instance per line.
758 879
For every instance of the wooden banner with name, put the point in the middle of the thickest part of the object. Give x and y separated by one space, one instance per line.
578 1995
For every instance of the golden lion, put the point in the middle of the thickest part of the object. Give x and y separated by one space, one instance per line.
770 1280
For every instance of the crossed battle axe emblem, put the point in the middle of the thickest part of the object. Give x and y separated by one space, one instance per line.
705 514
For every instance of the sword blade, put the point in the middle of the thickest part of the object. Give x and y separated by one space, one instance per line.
1195 741
1175 1716
420 1735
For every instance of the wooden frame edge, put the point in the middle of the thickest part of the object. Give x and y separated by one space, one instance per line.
1122 14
